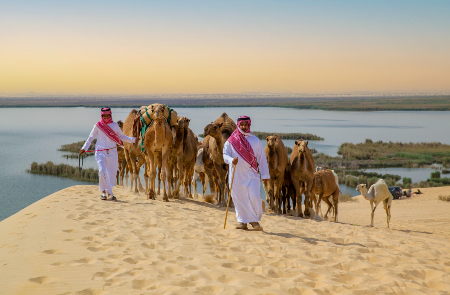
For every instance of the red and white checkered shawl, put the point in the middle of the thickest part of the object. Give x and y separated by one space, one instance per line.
242 146
103 126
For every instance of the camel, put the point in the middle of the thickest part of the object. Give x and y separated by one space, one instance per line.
330 198
325 187
133 151
277 159
302 173
158 139
122 160
213 159
199 171
288 190
185 149
227 126
378 192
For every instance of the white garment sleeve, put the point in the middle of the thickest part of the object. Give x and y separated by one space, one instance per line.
227 153
91 137
124 137
262 160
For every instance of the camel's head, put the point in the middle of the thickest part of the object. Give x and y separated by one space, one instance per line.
271 140
158 111
181 122
120 123
361 187
301 145
212 129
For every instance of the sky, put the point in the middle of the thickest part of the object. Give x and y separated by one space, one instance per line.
201 47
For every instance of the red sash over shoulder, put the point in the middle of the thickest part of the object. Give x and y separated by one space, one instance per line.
243 148
109 132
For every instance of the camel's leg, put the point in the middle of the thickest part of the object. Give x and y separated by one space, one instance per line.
146 176
298 196
373 211
284 198
278 183
221 179
152 175
327 201
211 181
122 170
194 183
128 158
266 190
308 197
164 176
135 173
158 163
272 201
336 203
205 183
141 162
387 208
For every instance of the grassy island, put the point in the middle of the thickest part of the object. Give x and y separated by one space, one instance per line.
288 136
75 147
64 170
386 154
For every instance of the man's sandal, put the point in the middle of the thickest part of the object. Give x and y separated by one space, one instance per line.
103 197
256 226
241 226
112 198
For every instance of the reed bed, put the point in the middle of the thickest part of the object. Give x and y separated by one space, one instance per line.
65 171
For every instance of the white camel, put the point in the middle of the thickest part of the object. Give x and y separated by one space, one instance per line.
377 192
198 168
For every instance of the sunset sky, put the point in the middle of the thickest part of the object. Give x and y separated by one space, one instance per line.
151 47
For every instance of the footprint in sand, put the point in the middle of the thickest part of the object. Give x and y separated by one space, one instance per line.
52 251
90 291
42 280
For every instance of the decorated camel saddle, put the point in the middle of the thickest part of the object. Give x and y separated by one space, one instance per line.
147 114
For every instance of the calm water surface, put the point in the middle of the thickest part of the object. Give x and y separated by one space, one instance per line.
35 134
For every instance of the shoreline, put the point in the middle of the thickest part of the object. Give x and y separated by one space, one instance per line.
350 104
70 242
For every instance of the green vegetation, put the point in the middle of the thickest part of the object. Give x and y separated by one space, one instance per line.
75 147
445 171
444 198
386 154
291 136
393 103
352 178
406 181
345 197
64 170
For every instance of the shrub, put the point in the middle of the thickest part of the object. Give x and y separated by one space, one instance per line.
444 198
345 197
406 180
436 174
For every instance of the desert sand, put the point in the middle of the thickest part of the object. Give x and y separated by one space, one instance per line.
71 242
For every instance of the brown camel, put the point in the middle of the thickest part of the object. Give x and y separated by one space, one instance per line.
132 152
288 191
158 138
186 151
213 159
325 187
277 159
302 174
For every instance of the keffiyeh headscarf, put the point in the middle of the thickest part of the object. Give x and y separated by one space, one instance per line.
107 111
241 144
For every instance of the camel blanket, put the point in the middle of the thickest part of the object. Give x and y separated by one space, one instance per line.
246 184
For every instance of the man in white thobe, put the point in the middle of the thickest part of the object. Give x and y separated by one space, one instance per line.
109 135
246 151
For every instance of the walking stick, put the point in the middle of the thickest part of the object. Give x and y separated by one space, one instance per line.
229 197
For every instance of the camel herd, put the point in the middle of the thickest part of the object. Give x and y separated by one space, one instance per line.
172 152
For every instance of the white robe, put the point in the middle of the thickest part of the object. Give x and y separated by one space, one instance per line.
107 161
246 184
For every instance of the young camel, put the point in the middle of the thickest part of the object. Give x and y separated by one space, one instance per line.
328 190
277 159
378 192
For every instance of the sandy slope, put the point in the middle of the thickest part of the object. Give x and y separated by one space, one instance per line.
73 243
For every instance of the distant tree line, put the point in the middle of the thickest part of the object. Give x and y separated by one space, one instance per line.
64 170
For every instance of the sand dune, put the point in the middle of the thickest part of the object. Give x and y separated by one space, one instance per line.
73 243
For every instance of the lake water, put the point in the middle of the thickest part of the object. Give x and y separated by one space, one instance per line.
35 134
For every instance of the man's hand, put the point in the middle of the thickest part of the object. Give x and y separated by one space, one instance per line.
82 151
235 161
265 181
